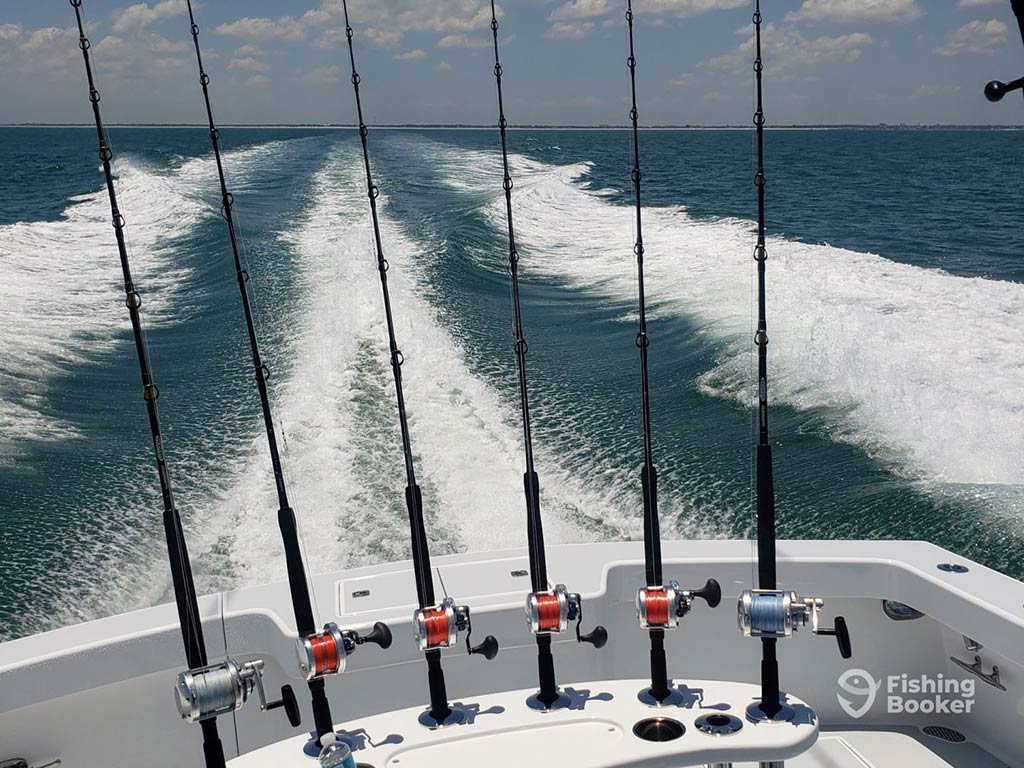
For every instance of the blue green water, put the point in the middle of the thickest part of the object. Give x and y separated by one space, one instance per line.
895 310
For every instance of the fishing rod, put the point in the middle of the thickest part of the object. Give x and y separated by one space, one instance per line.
435 625
659 606
995 90
549 611
205 691
321 653
768 612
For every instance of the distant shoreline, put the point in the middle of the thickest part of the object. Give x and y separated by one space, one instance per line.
459 127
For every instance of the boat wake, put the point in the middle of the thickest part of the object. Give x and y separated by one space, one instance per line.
917 366
338 415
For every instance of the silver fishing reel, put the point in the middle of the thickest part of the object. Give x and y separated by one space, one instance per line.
778 614
549 613
663 607
326 653
439 627
219 689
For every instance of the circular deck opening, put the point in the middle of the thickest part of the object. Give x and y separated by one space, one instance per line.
718 724
659 729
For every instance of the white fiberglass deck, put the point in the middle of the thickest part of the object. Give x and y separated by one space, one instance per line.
100 693
594 731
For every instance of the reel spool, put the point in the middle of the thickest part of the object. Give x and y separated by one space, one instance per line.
220 689
326 653
549 613
439 627
662 607
776 613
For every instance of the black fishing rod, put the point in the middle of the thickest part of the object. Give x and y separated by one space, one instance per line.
322 654
177 551
549 610
767 612
659 606
435 625
996 90
205 691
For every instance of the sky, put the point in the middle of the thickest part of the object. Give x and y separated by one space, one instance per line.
429 61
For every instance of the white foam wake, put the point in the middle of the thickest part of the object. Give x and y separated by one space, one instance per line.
61 297
337 409
59 302
918 366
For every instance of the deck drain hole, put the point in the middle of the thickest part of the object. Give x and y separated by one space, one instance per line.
659 729
946 734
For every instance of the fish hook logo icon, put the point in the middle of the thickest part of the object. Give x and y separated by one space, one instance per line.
859 683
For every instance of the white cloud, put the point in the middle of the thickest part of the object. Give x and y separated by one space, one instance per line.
463 41
382 22
786 51
856 10
257 81
443 66
414 55
248 64
330 74
141 15
9 32
284 28
579 10
982 37
570 30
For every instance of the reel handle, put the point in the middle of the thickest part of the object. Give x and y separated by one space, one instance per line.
380 635
996 90
711 593
597 637
488 648
290 704
842 636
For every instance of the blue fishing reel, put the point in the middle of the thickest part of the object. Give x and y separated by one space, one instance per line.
778 614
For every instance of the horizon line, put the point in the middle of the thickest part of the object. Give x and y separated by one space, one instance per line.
534 126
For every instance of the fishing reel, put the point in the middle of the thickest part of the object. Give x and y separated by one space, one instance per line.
663 607
549 613
326 653
220 689
439 627
777 614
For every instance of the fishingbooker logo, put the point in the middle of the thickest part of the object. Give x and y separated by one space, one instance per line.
858 691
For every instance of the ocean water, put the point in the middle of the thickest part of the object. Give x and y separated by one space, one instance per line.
895 314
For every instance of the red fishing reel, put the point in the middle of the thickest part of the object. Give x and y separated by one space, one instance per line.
549 613
326 653
662 607
439 627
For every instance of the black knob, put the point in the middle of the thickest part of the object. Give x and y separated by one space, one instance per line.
489 647
381 635
597 638
291 706
995 90
711 593
843 638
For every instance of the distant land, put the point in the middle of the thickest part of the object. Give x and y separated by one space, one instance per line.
544 127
